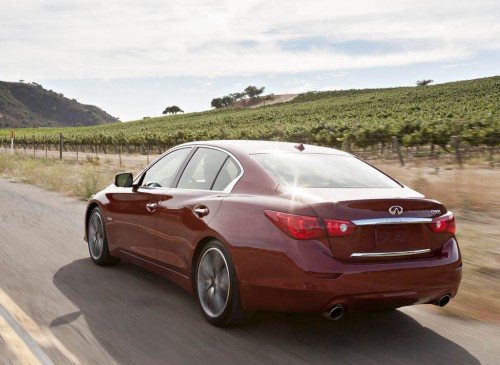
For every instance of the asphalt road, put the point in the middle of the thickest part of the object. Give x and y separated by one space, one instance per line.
56 307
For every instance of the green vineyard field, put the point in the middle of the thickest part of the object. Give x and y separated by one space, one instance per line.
417 116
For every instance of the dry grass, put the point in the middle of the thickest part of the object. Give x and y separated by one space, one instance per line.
475 187
80 179
472 192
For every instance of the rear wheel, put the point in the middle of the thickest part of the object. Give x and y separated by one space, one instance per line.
216 286
97 239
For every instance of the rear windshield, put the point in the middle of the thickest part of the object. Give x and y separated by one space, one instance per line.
322 171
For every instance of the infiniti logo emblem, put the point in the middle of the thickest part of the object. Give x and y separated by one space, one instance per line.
396 210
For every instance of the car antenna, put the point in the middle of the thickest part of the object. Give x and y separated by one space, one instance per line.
300 147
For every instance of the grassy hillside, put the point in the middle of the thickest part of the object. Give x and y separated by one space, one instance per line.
30 105
425 115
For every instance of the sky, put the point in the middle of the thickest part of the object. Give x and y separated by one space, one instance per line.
135 58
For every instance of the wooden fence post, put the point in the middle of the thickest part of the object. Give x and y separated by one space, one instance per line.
346 145
456 146
60 145
395 143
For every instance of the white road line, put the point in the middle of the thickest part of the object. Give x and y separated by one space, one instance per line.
25 338
15 339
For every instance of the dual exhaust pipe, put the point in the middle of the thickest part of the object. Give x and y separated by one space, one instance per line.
445 299
335 313
338 310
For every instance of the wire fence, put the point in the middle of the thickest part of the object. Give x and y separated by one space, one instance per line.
456 150
434 171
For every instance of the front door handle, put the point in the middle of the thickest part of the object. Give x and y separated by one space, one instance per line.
151 207
201 211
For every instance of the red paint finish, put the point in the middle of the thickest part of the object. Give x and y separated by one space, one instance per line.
294 248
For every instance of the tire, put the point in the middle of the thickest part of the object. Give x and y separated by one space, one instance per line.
216 287
97 239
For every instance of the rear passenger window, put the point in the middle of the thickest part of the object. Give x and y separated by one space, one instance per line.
202 170
228 173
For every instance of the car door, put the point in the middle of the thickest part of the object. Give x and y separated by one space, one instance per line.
135 210
186 210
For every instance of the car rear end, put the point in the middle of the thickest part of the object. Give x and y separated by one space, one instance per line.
393 252
370 258
371 243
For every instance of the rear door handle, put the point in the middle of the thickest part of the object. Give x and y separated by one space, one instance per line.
151 207
201 211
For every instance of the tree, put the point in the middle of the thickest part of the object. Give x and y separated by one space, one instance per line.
424 82
217 103
174 109
227 100
237 96
253 91
222 102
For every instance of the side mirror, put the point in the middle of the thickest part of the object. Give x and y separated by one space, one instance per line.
124 180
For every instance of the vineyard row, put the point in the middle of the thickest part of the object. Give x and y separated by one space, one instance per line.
457 146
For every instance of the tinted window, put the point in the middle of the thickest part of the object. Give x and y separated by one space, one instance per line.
202 169
228 173
322 171
163 172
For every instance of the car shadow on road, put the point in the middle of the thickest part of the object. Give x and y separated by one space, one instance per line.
141 318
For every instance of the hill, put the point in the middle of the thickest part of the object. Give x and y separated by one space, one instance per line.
30 105
418 116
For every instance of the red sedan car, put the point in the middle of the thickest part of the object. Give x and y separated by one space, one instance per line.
253 225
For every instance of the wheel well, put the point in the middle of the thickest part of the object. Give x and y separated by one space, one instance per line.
90 208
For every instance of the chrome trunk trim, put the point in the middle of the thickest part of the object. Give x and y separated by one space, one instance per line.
399 220
390 254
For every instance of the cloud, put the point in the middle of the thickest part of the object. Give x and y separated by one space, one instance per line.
114 39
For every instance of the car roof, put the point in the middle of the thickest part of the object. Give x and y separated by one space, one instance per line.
256 147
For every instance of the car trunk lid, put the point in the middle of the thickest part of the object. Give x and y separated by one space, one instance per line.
386 228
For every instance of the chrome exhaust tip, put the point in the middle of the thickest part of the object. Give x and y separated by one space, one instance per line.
445 299
335 313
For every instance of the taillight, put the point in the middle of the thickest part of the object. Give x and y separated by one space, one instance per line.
445 223
339 228
305 227
297 226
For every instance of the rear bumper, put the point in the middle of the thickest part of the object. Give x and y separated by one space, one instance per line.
285 282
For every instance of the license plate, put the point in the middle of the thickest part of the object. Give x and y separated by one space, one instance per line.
390 236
